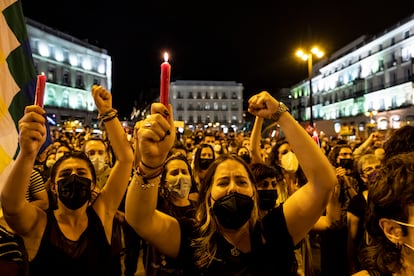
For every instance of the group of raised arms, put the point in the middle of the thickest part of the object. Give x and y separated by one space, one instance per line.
238 210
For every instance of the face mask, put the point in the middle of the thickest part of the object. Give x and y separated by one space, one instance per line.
246 158
267 199
205 163
74 191
234 210
98 162
289 162
346 163
217 148
179 187
50 163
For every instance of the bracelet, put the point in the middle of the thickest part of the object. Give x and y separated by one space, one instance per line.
109 115
280 110
147 178
149 167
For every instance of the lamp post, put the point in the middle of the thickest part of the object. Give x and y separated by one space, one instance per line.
308 56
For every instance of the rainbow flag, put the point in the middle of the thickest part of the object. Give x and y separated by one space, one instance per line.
17 80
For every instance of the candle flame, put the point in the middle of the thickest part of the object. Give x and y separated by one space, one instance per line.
165 56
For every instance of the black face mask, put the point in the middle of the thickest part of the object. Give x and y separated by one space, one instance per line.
233 210
205 163
346 163
246 158
267 199
74 191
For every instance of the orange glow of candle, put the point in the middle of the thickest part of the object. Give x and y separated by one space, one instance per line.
165 80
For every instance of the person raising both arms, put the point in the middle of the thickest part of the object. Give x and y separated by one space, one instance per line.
74 238
227 235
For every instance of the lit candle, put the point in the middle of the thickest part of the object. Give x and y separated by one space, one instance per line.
40 89
165 80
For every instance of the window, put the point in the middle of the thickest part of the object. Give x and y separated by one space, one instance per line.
51 75
79 82
66 78
97 81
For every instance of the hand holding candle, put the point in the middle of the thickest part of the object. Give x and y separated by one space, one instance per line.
40 90
165 80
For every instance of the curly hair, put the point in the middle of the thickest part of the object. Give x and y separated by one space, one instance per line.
207 227
401 141
389 197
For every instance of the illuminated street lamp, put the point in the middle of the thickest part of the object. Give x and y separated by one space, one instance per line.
308 56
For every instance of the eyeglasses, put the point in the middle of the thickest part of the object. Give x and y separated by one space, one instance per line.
370 169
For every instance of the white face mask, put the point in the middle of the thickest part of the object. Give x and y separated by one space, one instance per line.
180 186
217 148
98 162
408 225
289 162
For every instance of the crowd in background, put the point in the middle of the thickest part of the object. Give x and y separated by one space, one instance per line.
340 232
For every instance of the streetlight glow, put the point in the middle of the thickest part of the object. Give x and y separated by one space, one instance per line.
308 56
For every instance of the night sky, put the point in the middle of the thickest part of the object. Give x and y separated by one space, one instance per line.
252 43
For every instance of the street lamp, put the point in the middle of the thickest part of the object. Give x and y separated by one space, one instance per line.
308 56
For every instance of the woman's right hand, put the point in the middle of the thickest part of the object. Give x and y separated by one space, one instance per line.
155 135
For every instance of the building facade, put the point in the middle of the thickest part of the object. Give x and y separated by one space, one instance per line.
366 85
71 66
207 103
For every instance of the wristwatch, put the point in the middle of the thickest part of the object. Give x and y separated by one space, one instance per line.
281 109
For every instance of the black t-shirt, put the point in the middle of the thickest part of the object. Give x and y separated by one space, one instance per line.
57 255
275 256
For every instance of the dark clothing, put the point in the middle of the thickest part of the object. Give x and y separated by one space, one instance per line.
57 255
157 263
334 255
357 206
13 255
274 256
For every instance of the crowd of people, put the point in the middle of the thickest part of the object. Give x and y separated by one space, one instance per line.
206 202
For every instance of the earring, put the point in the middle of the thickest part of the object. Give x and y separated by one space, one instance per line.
398 245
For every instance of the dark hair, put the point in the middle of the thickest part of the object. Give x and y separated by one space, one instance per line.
388 197
262 171
76 155
163 190
401 141
333 154
197 155
274 154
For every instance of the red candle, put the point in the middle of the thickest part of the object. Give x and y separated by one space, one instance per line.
40 90
165 80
